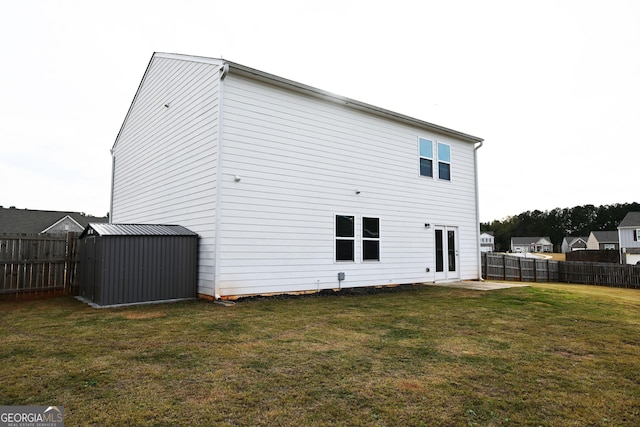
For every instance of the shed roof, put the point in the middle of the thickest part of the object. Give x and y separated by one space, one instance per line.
136 230
632 219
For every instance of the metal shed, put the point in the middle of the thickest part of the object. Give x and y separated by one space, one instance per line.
136 263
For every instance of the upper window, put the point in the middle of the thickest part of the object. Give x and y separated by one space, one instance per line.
370 239
444 161
426 157
345 238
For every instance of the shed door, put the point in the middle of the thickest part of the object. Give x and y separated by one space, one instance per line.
446 251
89 278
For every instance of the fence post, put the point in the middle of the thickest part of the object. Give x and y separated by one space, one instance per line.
68 265
520 267
548 271
504 267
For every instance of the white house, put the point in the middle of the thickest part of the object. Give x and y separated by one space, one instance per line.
572 243
531 244
487 241
629 238
293 189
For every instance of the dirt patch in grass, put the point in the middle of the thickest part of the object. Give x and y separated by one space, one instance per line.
542 355
141 315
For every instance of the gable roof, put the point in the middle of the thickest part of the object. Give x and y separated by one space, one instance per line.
631 219
519 241
571 240
27 221
242 70
605 236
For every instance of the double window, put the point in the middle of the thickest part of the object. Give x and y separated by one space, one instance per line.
345 227
427 155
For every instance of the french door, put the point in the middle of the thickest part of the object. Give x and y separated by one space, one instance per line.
446 252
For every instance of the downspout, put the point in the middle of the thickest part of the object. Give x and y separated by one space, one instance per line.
224 70
475 166
113 174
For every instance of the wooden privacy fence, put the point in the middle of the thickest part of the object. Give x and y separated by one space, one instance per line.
507 267
601 273
37 265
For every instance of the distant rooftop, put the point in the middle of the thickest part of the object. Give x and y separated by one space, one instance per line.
632 219
28 221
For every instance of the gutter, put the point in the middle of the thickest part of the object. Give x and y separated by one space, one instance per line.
113 176
476 147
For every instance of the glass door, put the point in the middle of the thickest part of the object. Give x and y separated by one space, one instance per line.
446 253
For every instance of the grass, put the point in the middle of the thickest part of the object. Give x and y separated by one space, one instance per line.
544 355
554 256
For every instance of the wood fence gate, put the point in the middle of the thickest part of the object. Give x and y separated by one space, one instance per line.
38 265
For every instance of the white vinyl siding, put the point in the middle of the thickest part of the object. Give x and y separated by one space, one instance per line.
629 237
262 170
300 160
166 154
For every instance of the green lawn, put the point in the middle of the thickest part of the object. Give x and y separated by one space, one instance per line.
549 355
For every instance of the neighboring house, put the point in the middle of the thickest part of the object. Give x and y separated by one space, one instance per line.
570 244
487 241
603 240
531 244
290 188
15 221
629 238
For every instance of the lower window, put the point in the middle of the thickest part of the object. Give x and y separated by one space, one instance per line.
370 239
345 238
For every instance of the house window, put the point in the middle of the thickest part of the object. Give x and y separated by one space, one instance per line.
609 246
636 234
370 239
426 157
345 238
444 161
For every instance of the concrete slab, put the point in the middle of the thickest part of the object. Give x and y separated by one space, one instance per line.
480 286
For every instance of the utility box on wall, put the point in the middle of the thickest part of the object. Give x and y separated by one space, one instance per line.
137 263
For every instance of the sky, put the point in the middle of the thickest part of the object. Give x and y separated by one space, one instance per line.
553 87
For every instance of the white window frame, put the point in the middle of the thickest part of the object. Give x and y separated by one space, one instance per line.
370 239
439 160
337 238
420 156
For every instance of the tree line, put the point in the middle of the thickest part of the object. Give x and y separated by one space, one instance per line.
558 223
